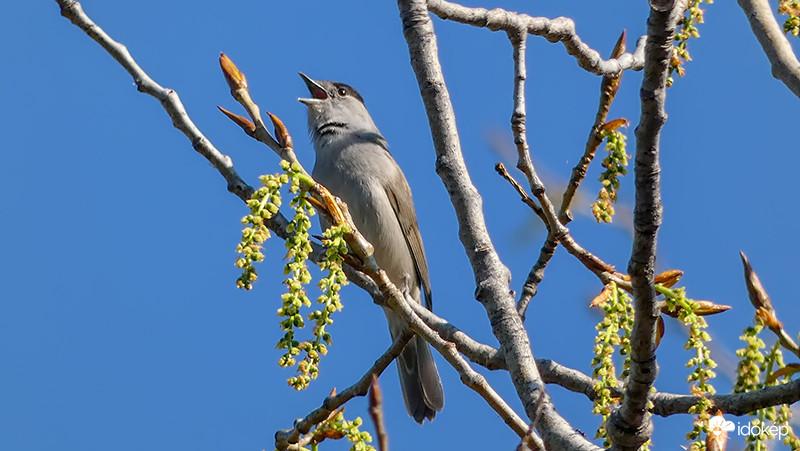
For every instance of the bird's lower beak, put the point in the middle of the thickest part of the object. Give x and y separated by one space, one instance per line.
318 93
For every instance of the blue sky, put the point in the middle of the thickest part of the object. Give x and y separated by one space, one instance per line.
121 327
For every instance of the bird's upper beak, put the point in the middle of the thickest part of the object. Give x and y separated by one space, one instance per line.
318 93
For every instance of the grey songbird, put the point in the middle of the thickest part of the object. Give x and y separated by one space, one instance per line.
354 163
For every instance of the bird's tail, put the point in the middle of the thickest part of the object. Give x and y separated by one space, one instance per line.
419 380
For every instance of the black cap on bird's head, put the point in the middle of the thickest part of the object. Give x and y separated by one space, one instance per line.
323 90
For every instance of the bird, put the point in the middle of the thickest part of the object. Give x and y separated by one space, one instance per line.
353 162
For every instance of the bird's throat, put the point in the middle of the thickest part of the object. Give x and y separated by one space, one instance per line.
330 128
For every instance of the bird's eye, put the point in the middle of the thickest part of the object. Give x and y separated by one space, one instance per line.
342 92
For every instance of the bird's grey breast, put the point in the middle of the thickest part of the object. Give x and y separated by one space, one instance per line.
354 170
358 172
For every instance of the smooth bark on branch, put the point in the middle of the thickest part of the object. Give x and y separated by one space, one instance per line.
665 404
172 104
169 99
554 30
491 276
785 66
631 425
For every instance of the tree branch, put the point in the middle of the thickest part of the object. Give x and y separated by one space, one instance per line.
601 269
490 357
169 99
608 90
376 413
224 165
284 439
172 104
560 29
785 66
469 377
666 404
552 372
491 276
631 425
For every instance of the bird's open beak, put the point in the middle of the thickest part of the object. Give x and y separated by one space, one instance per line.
317 91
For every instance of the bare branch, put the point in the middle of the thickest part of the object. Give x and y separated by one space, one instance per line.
285 438
490 357
487 356
666 404
556 230
169 99
630 425
449 341
172 104
376 413
608 90
785 66
469 377
554 30
603 270
500 168
536 274
491 276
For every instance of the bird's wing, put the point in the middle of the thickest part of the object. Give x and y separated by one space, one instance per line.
399 195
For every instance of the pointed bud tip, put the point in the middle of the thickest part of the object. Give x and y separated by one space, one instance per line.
233 76
281 132
619 47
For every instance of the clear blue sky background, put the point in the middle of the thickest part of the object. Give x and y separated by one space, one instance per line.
120 324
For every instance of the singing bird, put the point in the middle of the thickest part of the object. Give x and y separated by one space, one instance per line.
354 163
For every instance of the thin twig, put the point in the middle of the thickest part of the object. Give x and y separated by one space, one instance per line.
500 168
536 275
560 29
556 230
240 91
517 37
592 262
172 104
376 413
602 269
608 90
169 99
285 438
